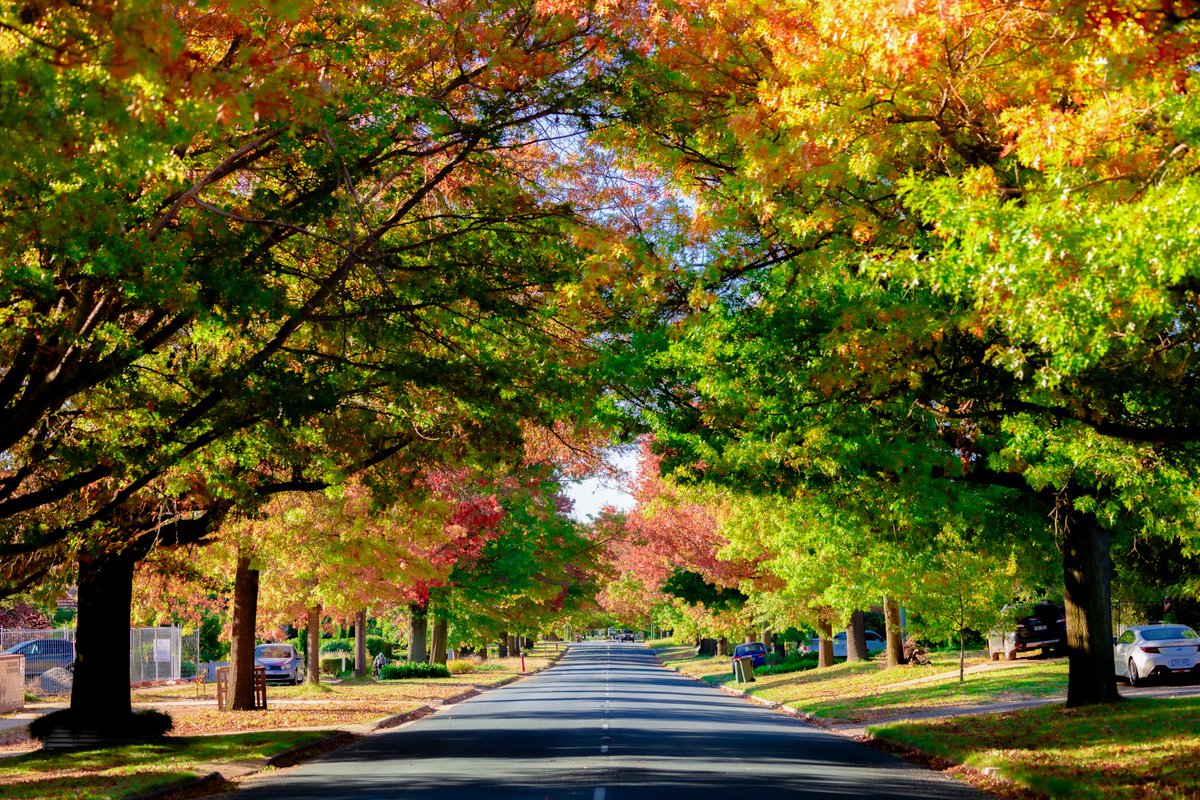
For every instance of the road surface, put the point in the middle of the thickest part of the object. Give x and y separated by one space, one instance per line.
607 723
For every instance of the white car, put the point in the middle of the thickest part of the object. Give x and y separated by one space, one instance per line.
875 643
1150 651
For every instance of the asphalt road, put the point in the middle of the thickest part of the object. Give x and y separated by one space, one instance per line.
607 723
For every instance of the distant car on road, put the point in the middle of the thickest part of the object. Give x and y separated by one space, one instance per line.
44 654
1156 651
875 643
754 650
283 662
626 636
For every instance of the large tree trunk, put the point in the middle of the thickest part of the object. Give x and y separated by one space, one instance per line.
514 646
483 655
360 644
502 648
312 674
437 646
245 621
856 637
417 630
766 638
100 695
1087 577
824 644
895 636
723 646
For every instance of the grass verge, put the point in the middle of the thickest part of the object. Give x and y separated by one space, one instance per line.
120 772
1139 748
869 691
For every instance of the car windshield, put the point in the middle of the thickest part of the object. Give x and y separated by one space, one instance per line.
272 651
750 648
1164 634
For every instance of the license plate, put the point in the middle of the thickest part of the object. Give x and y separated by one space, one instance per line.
1181 663
1039 627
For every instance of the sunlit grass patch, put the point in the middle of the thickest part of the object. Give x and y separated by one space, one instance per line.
1139 748
118 772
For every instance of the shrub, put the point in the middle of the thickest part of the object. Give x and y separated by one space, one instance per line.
375 644
461 666
414 669
332 664
337 646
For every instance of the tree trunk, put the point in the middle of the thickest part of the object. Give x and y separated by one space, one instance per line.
1087 577
245 621
856 637
312 673
723 646
514 646
483 654
417 630
437 646
895 636
824 644
360 644
502 649
100 695
766 638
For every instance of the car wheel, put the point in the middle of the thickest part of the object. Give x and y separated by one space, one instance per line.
1134 678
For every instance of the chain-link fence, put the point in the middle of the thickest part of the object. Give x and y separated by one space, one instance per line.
155 654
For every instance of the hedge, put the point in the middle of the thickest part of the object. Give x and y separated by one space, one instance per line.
413 669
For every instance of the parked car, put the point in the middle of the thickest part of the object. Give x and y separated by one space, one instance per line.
283 662
875 643
1034 626
754 650
44 654
626 636
1153 651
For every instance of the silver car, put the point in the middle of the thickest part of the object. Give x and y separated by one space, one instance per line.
1151 651
875 643
282 661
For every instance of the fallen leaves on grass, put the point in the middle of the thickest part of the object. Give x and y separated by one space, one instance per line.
196 720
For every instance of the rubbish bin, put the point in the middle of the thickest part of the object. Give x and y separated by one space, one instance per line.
743 669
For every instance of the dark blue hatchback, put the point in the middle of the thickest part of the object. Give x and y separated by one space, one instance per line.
755 650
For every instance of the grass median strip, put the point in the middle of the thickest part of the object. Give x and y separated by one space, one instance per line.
1139 748
119 772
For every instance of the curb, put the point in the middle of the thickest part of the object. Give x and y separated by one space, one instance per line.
399 719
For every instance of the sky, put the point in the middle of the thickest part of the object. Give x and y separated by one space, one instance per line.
593 494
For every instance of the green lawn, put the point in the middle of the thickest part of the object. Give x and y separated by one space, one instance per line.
114 773
867 691
1140 748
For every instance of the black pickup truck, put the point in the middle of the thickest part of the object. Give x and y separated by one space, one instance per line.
1036 626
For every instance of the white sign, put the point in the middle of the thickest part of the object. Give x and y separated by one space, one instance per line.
162 650
12 683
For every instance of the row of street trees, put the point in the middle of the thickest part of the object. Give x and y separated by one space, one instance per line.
917 279
942 292
261 249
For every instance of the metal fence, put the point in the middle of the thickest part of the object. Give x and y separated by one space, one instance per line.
155 654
